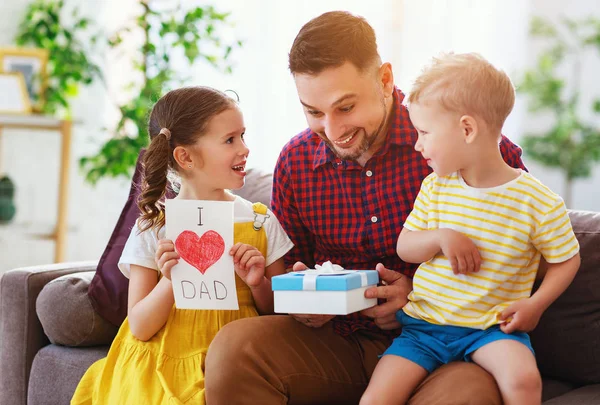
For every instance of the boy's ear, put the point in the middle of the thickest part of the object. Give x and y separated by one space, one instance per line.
469 128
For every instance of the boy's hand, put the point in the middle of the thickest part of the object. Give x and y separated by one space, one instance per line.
166 257
522 316
248 263
460 251
395 292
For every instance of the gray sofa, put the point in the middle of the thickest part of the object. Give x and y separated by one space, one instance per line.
50 334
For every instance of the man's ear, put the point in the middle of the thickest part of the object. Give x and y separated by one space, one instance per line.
386 78
469 128
182 158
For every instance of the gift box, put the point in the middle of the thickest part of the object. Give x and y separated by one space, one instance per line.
338 292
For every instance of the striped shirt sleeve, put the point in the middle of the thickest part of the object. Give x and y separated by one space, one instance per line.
554 236
417 219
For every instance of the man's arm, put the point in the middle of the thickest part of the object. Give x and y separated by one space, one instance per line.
283 205
511 153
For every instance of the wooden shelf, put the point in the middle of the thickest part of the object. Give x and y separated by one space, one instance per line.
45 123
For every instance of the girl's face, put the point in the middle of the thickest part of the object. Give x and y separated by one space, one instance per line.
220 155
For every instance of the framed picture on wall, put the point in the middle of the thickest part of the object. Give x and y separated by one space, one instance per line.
31 63
14 97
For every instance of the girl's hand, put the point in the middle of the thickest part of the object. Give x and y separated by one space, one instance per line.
248 263
460 251
166 257
522 316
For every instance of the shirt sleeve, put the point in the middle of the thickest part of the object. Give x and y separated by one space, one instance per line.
417 219
140 249
554 236
511 153
278 243
284 207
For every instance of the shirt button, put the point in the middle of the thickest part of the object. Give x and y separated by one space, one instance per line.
373 219
369 173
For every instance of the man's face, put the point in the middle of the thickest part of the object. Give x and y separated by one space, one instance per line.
347 108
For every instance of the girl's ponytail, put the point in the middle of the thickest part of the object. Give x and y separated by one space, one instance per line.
154 184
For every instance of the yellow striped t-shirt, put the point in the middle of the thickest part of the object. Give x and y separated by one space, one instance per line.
512 225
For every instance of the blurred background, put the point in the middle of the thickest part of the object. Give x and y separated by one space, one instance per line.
103 63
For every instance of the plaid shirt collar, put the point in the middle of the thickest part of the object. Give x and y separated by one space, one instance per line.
397 134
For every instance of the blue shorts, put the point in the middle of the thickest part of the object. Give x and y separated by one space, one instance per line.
431 346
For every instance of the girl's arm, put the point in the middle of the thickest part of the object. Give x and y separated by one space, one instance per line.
262 293
149 302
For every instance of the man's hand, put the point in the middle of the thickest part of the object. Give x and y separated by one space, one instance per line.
522 316
310 320
395 291
460 251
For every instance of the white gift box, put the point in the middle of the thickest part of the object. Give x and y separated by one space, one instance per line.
338 292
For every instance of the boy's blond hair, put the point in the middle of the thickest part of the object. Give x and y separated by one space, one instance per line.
466 84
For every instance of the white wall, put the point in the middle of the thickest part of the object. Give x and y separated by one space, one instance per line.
499 31
409 33
586 192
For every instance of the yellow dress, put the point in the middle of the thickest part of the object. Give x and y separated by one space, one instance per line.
168 368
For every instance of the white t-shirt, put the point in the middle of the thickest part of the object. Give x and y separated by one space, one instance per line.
141 247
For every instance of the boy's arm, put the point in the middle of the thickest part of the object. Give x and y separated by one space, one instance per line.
418 246
556 280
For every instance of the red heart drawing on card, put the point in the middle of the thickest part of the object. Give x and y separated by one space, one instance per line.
200 251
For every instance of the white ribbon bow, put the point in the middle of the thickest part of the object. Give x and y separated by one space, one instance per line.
309 281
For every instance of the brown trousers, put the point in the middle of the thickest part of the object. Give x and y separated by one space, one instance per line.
277 360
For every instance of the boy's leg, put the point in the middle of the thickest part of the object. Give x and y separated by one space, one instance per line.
393 381
514 367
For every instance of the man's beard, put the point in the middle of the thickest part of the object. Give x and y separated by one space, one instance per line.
365 143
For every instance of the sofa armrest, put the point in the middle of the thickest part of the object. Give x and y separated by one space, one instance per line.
21 334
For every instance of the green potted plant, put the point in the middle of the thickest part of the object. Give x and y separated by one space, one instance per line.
572 144
69 65
194 31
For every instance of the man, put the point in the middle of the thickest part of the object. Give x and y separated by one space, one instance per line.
342 190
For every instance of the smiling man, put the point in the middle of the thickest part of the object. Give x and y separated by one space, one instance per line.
342 190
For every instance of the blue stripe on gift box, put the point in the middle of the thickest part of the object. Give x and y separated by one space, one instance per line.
342 282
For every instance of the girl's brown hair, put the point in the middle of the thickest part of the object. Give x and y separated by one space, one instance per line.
185 114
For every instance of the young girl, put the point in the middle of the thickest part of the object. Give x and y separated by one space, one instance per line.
158 354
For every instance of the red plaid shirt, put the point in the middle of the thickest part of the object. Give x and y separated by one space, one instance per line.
352 215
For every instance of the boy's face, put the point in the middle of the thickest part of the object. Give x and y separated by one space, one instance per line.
440 137
347 108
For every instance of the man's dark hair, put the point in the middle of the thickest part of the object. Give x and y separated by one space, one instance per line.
332 39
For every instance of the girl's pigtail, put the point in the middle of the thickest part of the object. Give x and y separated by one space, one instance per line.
154 184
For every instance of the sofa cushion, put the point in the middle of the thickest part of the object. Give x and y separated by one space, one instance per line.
66 313
589 395
56 371
567 339
258 187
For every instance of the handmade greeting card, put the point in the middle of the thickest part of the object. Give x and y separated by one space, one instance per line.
203 235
